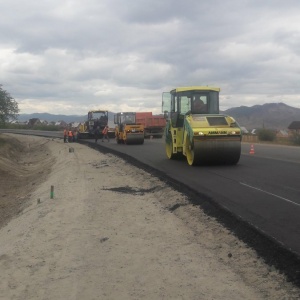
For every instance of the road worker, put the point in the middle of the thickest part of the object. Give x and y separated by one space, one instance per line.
97 134
199 106
70 135
65 135
75 133
105 133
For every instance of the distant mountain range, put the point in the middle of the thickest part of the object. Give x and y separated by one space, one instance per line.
269 115
52 118
56 118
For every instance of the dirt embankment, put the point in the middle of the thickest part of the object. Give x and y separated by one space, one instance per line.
24 164
111 233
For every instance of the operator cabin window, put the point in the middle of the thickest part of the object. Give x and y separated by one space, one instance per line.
214 103
176 101
122 119
185 104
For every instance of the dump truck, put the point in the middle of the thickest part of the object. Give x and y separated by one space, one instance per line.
154 125
127 131
95 118
196 130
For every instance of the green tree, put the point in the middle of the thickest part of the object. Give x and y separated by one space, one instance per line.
8 107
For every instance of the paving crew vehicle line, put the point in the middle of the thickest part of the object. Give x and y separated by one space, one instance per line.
127 131
195 128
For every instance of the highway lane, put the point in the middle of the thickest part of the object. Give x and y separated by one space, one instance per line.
262 189
279 152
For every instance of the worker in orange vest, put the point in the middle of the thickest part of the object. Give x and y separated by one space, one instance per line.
105 134
70 134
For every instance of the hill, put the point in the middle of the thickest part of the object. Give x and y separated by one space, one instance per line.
269 115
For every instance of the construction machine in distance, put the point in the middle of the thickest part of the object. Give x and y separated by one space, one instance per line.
195 128
96 118
127 131
154 125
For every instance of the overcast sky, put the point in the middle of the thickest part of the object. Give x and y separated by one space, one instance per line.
68 57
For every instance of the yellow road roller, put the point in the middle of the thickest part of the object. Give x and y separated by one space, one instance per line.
127 131
196 130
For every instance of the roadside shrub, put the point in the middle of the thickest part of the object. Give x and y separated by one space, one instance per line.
266 135
295 139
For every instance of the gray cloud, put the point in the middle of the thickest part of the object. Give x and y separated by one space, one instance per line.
69 57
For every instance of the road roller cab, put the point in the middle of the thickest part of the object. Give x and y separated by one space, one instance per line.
195 128
127 131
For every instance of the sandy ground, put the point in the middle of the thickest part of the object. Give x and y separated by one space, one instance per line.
110 233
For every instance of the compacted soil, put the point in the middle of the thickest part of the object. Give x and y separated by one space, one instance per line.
110 231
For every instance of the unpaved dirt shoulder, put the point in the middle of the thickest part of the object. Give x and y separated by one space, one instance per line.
109 234
25 162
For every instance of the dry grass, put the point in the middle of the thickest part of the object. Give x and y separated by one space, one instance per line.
278 140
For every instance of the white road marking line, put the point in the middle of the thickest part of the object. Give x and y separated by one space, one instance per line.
287 200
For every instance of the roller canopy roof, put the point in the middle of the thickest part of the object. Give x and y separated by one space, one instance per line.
193 88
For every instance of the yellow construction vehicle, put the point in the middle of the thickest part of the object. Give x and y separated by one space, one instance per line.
95 118
195 128
127 131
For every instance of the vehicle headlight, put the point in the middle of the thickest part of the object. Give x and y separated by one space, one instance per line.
234 132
